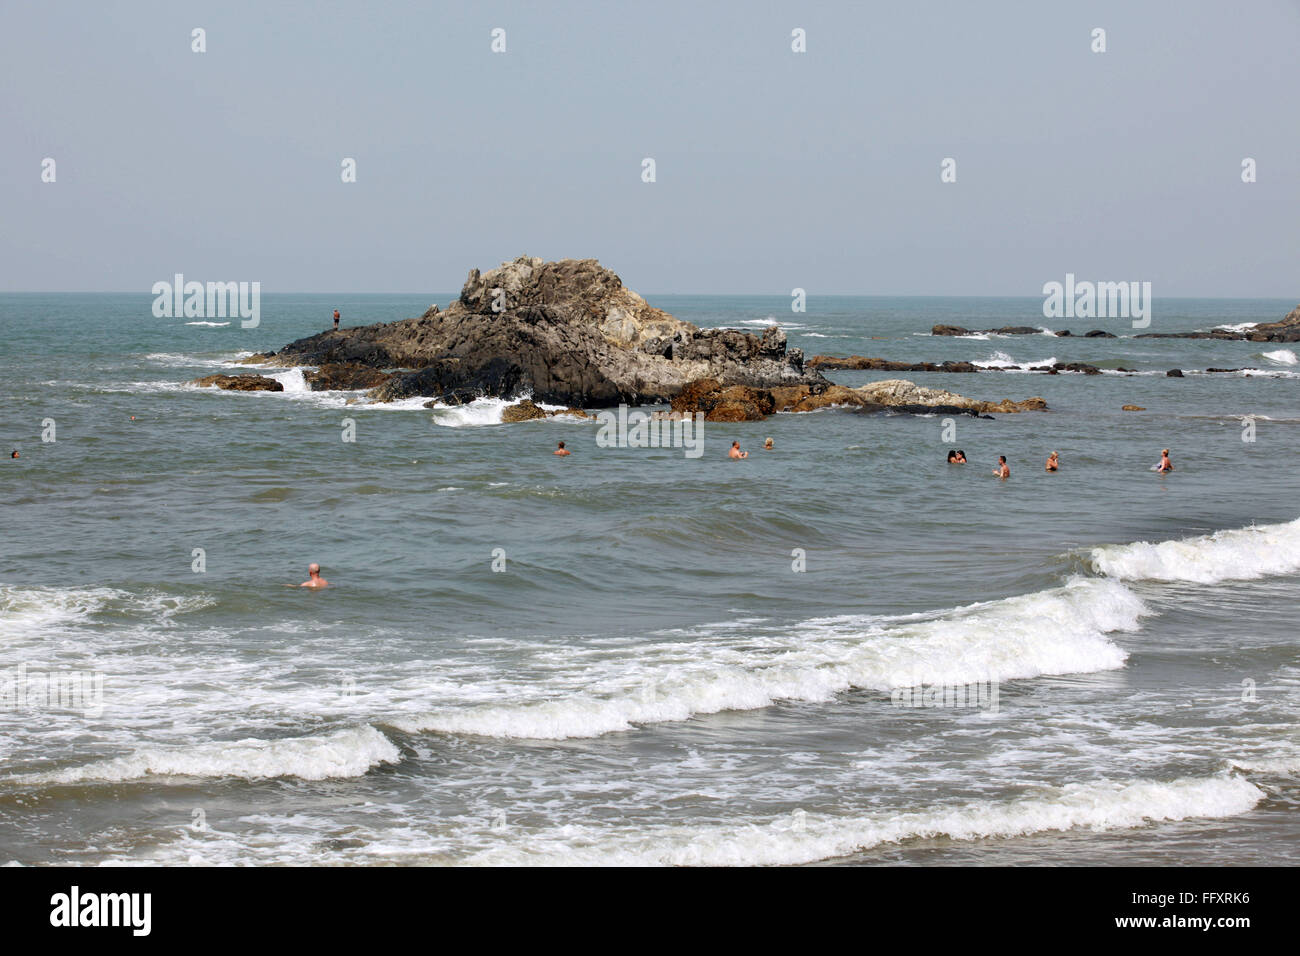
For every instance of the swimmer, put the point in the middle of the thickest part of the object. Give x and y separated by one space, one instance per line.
1002 471
314 580
955 457
1165 464
14 453
1053 462
768 444
735 451
561 450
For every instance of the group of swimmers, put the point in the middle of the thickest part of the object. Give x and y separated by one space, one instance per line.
958 457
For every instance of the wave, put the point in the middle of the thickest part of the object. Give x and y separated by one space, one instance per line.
35 610
350 752
1003 360
293 380
1234 555
807 838
1239 327
1281 356
214 324
1058 631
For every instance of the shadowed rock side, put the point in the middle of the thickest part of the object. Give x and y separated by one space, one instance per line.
739 403
566 332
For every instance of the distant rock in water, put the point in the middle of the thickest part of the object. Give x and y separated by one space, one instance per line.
1005 330
1286 330
240 383
739 403
564 332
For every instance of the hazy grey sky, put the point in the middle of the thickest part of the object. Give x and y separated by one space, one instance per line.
774 169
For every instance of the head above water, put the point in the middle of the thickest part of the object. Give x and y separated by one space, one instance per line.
561 444
313 569
1002 459
768 443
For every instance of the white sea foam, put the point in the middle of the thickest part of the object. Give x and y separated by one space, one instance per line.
482 411
1058 631
1104 805
350 752
1003 360
215 324
1281 356
1240 327
1238 554
293 380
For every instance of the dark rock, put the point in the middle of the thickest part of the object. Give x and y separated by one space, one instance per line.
1099 334
241 383
1174 373
349 377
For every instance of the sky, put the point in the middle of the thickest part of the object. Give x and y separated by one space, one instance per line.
774 169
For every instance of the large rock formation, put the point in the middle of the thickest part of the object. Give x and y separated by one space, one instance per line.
738 403
567 332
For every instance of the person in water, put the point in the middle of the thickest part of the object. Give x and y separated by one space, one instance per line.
1002 471
1053 462
768 444
336 320
956 457
14 453
314 580
1165 465
735 451
561 450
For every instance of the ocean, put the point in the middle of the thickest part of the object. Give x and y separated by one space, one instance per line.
839 651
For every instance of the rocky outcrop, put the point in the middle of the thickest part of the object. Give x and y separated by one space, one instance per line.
240 383
564 332
732 403
1285 330
346 377
1132 408
858 362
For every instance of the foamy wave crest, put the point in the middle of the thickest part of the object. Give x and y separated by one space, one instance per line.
343 753
1100 806
294 382
1003 360
1236 555
213 324
481 411
34 609
1060 631
1281 356
1239 327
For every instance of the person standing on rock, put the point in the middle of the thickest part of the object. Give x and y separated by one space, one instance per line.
735 451
1002 471
561 450
336 320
